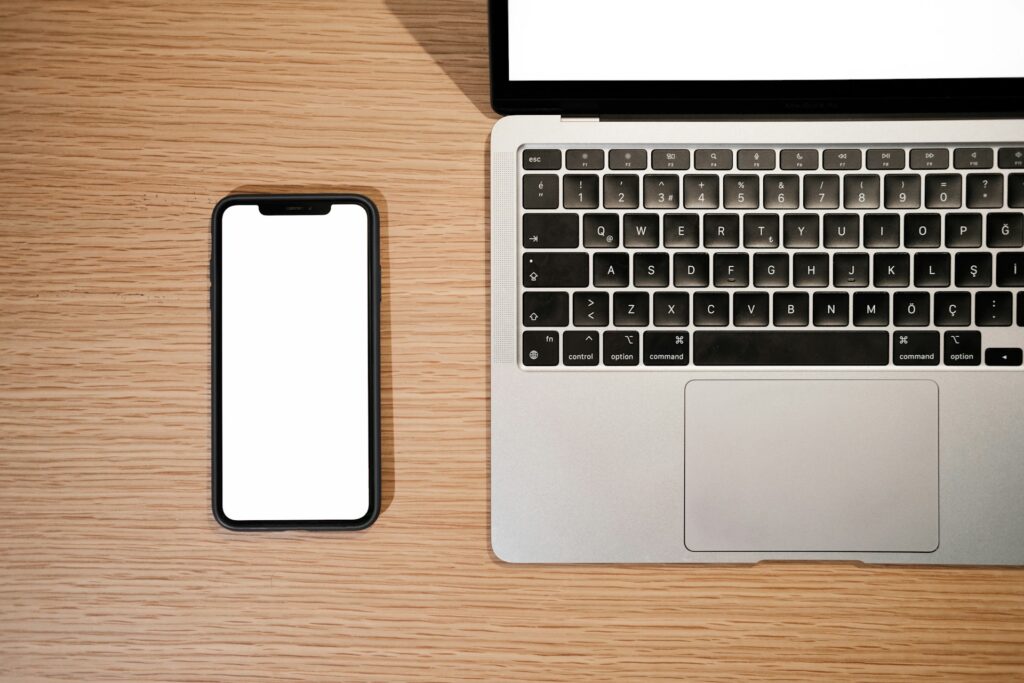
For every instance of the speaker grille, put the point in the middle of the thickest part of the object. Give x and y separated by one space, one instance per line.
503 246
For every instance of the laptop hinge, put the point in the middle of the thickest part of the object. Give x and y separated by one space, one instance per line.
581 119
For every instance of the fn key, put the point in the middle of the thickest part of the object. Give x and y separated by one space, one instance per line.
540 348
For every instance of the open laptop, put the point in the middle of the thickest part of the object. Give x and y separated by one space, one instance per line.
757 281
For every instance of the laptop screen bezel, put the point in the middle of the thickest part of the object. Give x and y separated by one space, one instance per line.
987 97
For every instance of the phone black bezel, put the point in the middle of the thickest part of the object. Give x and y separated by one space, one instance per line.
301 203
967 97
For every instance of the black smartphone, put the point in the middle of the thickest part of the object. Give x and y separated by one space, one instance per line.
295 302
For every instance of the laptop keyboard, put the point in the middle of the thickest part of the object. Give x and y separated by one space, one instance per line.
769 256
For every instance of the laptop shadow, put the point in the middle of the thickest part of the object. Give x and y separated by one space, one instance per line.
454 34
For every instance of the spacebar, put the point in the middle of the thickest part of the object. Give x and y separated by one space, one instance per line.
790 348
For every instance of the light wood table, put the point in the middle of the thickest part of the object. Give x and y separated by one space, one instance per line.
121 124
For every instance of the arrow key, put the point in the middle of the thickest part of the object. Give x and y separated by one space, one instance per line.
580 348
1006 357
590 309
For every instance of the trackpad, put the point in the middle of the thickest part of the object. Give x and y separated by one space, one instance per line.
807 465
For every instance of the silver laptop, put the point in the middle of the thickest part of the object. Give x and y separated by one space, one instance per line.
757 281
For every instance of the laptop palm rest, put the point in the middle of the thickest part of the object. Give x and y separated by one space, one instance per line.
811 465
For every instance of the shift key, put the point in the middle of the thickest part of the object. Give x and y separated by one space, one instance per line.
556 269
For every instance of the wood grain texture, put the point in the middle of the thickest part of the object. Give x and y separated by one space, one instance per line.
121 125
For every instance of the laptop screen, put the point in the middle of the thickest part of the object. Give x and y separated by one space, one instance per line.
743 40
725 57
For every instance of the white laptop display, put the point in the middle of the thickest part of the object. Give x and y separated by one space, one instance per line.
757 281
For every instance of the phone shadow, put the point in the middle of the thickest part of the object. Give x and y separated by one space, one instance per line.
454 34
387 411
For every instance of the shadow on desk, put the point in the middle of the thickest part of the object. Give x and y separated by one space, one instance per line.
387 412
454 34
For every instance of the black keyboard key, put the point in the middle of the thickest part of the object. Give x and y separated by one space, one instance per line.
972 157
931 269
732 270
790 309
882 230
861 191
721 231
601 230
666 348
681 230
621 191
670 159
810 270
1020 309
821 192
892 270
690 270
580 348
973 269
961 348
953 309
579 191
831 309
611 269
584 159
915 348
871 309
1009 357
741 192
800 231
902 191
551 231
761 230
963 230
993 309
540 348
661 191
771 270
671 309
710 309
1005 230
841 160
911 309
1011 157
640 230
756 160
929 158
922 230
842 231
1010 269
627 159
712 159
791 347
700 191
886 159
750 309
545 309
590 309
621 348
542 159
540 191
851 270
631 309
799 160
650 270
942 191
1015 190
782 192
548 270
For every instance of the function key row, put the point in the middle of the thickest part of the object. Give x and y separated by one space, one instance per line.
759 309
785 348
1003 230
776 191
803 159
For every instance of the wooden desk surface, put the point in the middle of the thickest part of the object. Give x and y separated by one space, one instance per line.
121 124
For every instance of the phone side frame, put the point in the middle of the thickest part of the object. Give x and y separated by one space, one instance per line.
373 333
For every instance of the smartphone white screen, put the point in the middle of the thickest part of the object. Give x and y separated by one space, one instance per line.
294 365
